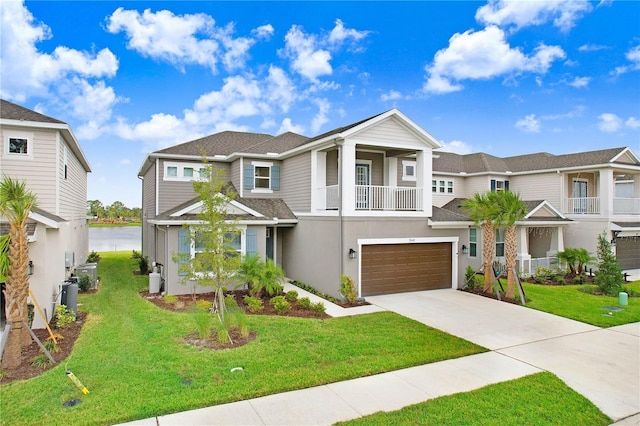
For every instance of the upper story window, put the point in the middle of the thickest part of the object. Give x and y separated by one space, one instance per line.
499 242
442 186
183 172
260 176
19 144
499 185
408 170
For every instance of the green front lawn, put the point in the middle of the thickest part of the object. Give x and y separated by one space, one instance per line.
569 302
539 399
132 359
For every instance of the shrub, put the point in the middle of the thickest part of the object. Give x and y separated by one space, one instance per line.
254 305
560 279
203 305
304 303
319 308
470 277
542 274
280 305
136 255
348 289
84 283
143 264
65 316
93 257
575 259
51 346
291 296
203 324
609 278
40 361
170 298
314 291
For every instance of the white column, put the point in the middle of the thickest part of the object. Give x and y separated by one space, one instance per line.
391 176
606 192
523 257
348 175
423 178
636 186
318 181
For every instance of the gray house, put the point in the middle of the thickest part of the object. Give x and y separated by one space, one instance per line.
43 152
375 200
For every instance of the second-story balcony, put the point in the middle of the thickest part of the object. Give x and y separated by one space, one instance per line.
375 198
592 206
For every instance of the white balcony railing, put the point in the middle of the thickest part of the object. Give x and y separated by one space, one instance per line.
583 205
371 197
626 206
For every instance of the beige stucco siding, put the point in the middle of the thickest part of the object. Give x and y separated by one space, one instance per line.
295 182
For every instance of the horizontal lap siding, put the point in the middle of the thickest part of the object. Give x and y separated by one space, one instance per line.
395 268
388 130
73 189
544 186
295 182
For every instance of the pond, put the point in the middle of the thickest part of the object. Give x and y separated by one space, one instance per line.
117 238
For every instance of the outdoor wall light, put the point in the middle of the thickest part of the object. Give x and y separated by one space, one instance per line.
30 268
465 249
352 253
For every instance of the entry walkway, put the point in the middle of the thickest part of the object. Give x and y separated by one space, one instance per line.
601 364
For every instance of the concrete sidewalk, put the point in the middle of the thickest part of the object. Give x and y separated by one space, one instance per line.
523 341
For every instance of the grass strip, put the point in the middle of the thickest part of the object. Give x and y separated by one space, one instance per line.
538 399
131 357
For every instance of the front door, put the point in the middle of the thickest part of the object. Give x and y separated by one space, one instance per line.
363 179
580 196
270 231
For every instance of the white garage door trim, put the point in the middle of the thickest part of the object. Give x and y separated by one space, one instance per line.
421 240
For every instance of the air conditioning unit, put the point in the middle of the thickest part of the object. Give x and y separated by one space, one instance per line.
69 259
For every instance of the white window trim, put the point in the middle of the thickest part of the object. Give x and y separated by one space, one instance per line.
473 242
261 190
180 177
405 165
19 135
496 242
243 245
503 185
444 185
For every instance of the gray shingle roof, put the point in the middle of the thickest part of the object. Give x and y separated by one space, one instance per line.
223 143
480 162
269 207
453 212
11 111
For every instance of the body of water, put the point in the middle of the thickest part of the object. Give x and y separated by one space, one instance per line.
117 238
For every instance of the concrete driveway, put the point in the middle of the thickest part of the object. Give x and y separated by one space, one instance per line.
601 364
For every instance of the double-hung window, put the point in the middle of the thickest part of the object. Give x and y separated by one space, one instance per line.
473 242
261 176
499 185
442 186
499 242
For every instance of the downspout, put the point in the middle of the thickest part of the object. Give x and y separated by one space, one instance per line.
341 218
142 218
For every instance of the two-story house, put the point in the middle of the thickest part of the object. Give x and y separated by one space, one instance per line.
44 153
571 199
374 201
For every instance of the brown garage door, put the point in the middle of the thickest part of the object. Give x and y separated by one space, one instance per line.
396 268
628 252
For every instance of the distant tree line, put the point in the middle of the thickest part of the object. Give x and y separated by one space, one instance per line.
116 211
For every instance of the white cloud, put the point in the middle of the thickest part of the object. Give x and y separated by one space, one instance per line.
93 104
591 47
125 162
392 95
609 123
26 71
321 116
579 82
280 90
288 126
633 56
576 112
529 124
632 123
184 39
457 147
484 54
563 13
308 59
310 54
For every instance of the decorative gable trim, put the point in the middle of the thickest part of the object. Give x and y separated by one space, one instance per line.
240 209
633 159
544 205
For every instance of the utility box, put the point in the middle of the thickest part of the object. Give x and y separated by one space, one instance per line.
154 282
69 259
69 296
90 269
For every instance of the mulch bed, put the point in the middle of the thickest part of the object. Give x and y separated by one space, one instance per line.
26 370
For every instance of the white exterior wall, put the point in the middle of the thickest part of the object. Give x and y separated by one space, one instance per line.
542 186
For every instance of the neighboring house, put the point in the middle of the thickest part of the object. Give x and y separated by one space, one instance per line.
44 153
571 199
374 201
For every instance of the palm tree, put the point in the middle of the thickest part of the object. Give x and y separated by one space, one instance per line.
15 204
511 210
483 211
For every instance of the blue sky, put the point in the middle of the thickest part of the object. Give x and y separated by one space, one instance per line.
501 77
